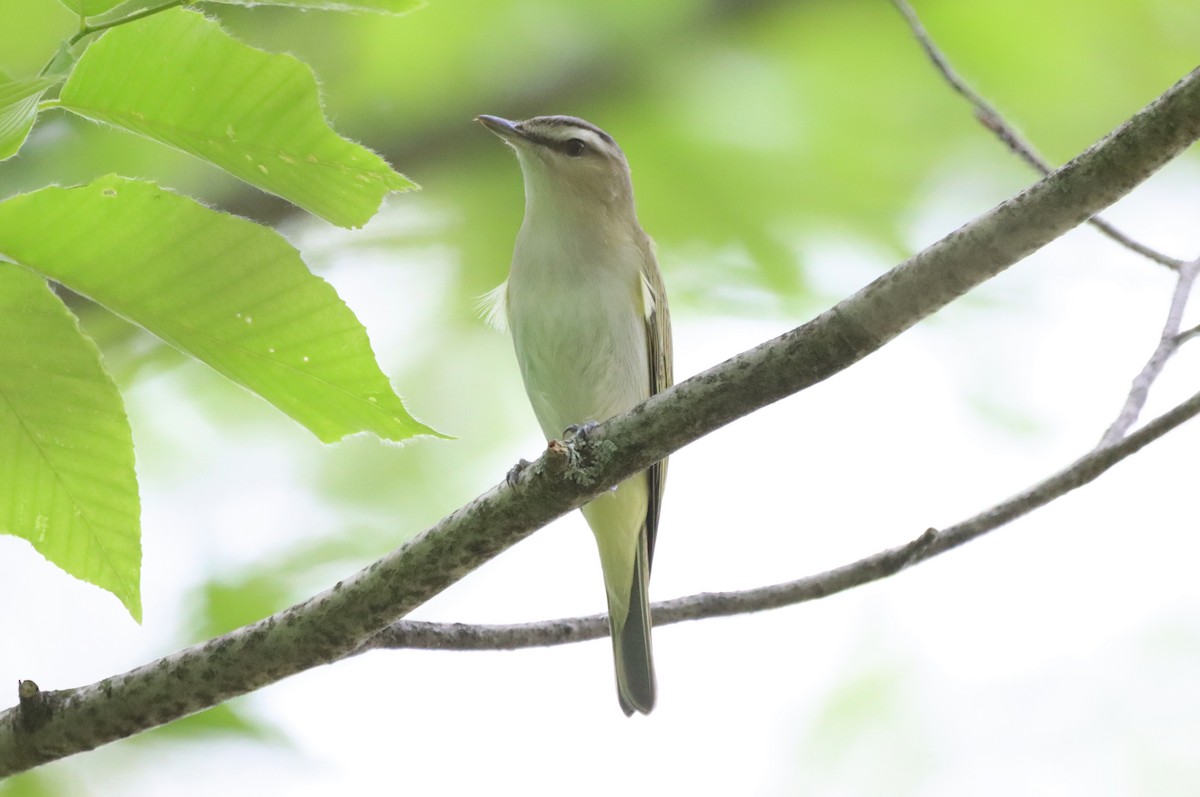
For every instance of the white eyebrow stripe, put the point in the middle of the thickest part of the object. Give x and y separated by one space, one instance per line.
550 122
561 133
588 137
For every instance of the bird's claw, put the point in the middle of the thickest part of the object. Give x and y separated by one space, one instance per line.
579 431
515 472
576 437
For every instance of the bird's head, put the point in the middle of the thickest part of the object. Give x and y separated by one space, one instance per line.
565 159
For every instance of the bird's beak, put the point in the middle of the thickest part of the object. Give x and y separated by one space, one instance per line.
502 127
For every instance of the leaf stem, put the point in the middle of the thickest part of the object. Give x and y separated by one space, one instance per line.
88 30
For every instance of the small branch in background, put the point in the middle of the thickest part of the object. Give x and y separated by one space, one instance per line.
1187 335
1171 338
460 636
990 118
1168 344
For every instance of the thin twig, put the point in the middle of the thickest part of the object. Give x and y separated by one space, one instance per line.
459 636
990 118
1168 343
1187 335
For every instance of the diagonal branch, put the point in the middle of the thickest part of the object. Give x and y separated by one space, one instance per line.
1168 343
334 623
990 118
460 636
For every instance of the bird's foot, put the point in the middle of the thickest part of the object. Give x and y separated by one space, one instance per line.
579 431
579 445
515 472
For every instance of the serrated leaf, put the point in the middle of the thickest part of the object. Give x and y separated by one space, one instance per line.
396 7
178 78
18 110
90 8
67 482
224 290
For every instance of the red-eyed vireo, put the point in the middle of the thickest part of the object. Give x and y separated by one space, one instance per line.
588 314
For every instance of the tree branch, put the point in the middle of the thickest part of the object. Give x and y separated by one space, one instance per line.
1171 338
1188 334
1168 343
990 118
334 623
460 636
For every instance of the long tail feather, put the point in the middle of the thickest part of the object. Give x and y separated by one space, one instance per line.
631 641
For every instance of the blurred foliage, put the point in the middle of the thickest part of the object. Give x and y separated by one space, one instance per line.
864 733
241 597
38 783
756 130
222 720
751 126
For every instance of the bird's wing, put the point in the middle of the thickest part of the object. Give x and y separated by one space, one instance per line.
658 349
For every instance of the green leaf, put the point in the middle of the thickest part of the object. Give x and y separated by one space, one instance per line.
18 110
176 77
228 292
67 482
396 7
90 8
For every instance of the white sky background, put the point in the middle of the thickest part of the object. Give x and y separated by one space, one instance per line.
1055 656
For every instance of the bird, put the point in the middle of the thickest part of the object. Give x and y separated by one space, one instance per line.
587 309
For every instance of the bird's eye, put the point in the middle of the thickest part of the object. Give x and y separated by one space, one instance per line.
575 147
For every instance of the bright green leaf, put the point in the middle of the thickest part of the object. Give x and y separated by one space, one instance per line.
67 483
396 7
18 110
176 77
90 8
228 292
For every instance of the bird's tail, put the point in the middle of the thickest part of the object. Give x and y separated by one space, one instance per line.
631 639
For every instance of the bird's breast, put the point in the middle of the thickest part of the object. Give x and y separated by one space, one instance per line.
579 331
